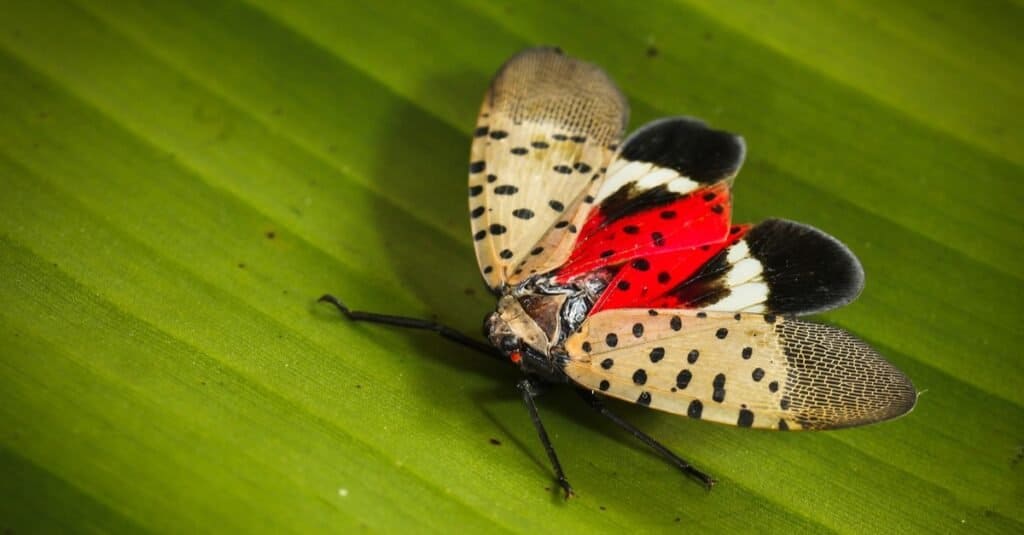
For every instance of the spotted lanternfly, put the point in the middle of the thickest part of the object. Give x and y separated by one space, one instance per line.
617 269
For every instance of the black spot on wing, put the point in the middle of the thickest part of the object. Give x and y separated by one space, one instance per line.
683 379
695 409
688 147
719 388
563 169
611 340
641 264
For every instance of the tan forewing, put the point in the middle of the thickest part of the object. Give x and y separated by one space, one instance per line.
548 126
750 370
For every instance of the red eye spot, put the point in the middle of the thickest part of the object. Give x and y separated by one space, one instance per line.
516 357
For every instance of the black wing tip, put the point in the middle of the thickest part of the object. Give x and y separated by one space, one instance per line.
807 270
688 146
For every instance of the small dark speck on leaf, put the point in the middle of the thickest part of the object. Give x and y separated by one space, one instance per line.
652 52
677 519
469 291
495 442
359 386
602 508
241 265
271 234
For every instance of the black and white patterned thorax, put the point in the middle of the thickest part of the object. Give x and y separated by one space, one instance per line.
534 318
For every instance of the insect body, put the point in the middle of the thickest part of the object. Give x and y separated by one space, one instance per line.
619 271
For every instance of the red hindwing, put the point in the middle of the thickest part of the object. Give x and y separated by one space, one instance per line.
659 280
610 237
652 245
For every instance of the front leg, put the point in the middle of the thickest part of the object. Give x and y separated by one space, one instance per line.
413 323
528 387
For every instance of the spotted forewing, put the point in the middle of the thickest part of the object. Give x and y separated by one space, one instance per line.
547 129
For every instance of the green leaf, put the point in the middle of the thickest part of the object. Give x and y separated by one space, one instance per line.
181 180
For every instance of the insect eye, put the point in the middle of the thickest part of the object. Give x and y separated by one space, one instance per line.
509 345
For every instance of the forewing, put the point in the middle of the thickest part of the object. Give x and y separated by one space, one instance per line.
749 370
548 127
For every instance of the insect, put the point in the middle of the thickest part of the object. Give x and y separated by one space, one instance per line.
618 271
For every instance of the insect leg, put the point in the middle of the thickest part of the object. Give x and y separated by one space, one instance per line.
688 469
528 388
413 323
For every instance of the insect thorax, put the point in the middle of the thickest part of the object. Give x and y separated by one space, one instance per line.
534 318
